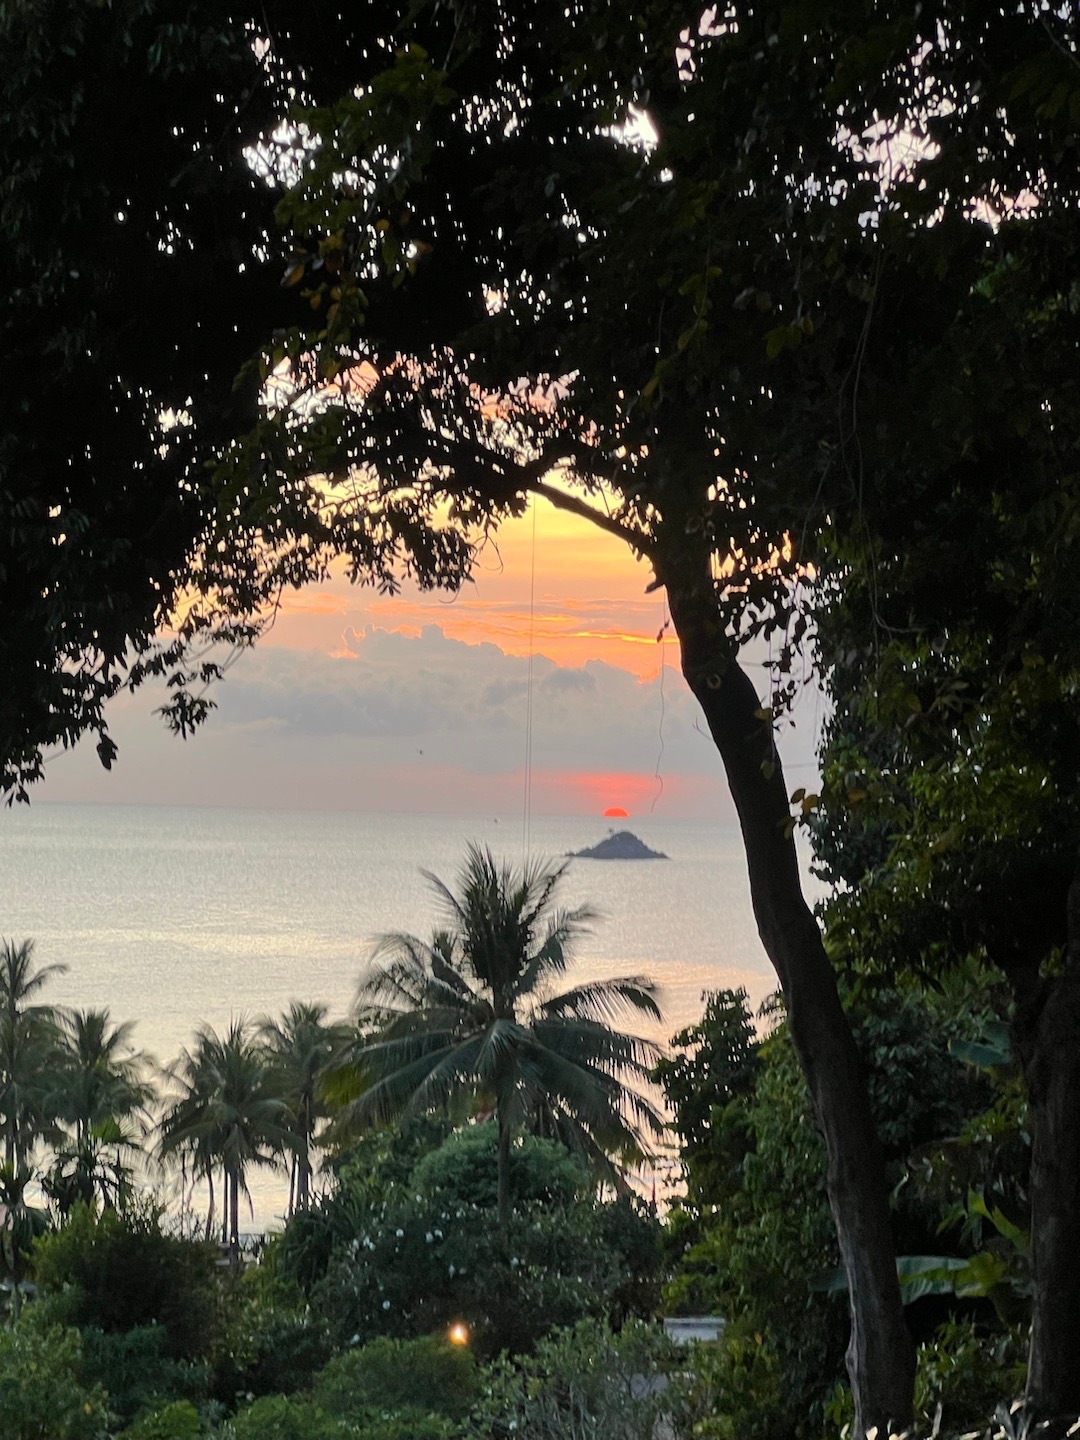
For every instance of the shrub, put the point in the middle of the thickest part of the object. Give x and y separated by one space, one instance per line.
588 1383
427 1374
418 1265
464 1170
123 1271
280 1417
179 1420
266 1346
43 1393
283 1417
409 1261
136 1371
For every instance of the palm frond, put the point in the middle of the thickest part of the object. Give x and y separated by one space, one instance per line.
472 1011
606 999
423 1080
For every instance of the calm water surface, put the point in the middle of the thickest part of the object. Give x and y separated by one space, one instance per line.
170 916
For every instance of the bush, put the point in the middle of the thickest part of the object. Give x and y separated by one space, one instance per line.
588 1383
465 1171
280 1417
179 1420
43 1392
967 1373
410 1261
122 1271
265 1346
136 1371
417 1266
428 1374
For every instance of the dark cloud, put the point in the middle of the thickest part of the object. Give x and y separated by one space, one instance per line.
465 702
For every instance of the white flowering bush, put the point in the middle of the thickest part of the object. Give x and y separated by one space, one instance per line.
412 1257
591 1383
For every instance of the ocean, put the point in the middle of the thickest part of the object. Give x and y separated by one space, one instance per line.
171 917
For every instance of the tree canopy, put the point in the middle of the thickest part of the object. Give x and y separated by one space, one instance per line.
782 294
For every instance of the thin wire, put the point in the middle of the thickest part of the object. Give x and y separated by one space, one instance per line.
657 776
526 815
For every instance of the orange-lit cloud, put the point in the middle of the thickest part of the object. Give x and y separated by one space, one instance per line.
549 583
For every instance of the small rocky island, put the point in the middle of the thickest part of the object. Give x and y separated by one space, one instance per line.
619 845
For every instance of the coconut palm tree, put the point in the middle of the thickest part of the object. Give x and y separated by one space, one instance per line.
101 1096
226 1116
20 1225
29 1045
477 1012
301 1048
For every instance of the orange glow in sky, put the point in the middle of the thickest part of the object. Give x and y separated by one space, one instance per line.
586 601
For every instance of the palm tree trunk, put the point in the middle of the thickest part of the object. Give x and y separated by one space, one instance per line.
234 1207
303 1179
210 1203
881 1356
503 1183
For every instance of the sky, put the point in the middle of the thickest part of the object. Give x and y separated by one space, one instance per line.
420 702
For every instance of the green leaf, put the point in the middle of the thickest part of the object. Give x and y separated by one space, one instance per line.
921 1275
987 1053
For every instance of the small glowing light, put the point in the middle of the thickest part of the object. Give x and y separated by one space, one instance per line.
458 1334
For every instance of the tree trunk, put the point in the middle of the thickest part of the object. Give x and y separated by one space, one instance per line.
210 1203
503 1190
303 1178
1048 1041
234 1214
880 1356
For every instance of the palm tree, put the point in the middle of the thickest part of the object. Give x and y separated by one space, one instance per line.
20 1226
29 1043
300 1049
226 1116
476 1013
101 1097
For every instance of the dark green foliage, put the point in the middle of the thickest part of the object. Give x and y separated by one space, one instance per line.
179 1420
137 1372
372 1167
128 224
121 1271
590 1383
44 1394
761 1256
705 1081
418 1266
267 1345
427 1374
464 1171
482 1016
279 1417
409 1261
